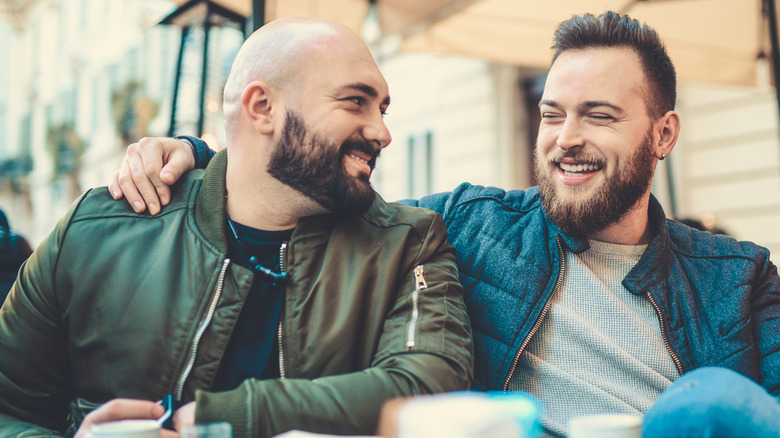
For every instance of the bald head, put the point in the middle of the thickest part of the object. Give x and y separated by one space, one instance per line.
282 53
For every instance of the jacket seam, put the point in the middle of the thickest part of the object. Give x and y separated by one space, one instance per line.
461 203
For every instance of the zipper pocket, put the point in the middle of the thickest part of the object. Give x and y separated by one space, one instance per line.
419 285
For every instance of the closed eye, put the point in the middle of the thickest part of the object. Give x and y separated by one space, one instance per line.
551 117
601 117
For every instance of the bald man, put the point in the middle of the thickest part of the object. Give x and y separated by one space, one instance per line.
276 291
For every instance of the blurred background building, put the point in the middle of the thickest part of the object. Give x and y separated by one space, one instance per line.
81 79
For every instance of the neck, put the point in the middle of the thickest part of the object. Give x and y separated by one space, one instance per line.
632 229
258 200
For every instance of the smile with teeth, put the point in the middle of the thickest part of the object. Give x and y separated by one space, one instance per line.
573 169
362 160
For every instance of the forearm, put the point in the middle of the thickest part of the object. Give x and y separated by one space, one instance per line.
343 404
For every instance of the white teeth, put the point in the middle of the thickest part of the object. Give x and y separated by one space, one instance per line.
358 158
578 168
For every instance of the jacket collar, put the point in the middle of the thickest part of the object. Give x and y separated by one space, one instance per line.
656 261
210 207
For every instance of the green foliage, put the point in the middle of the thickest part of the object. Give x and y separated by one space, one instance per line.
132 111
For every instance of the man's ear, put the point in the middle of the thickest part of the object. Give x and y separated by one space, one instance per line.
257 103
667 129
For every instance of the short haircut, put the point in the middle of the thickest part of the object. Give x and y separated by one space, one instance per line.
611 29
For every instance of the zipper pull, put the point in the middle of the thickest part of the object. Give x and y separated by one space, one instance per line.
419 279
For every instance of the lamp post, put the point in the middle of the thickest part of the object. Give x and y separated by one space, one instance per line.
205 14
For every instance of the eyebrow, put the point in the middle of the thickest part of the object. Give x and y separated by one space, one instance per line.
588 104
366 89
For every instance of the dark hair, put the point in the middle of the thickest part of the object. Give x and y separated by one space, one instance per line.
611 29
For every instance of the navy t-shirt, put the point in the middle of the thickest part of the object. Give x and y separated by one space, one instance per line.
252 351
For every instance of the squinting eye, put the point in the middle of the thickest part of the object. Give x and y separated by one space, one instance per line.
358 100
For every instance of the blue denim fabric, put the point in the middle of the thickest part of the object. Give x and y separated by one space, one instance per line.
718 299
711 403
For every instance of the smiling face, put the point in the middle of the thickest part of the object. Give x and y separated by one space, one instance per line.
322 170
334 129
595 153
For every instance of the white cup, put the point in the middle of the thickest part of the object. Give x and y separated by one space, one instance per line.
126 429
606 426
208 430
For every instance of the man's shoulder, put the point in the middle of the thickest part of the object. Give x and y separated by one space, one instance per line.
697 244
387 214
98 203
471 195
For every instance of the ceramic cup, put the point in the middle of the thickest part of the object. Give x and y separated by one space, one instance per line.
208 430
606 426
126 429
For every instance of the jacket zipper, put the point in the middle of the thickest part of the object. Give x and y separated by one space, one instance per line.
676 359
201 330
538 323
281 316
419 285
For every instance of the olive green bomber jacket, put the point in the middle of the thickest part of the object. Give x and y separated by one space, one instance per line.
118 304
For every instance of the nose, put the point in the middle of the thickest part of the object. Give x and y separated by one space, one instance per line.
570 134
376 131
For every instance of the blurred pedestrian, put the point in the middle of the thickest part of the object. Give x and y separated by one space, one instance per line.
14 250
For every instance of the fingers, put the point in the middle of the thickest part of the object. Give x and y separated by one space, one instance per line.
388 417
143 180
184 416
120 409
179 159
113 186
139 175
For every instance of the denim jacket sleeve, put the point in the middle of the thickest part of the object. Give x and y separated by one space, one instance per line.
766 311
200 150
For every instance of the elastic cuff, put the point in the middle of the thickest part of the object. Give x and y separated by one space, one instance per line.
200 150
230 406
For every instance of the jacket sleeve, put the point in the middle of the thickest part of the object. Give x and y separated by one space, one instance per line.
440 360
766 311
34 376
200 150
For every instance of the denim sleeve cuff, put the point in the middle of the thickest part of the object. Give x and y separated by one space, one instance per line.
200 150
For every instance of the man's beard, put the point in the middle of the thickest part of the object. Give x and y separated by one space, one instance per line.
315 167
608 204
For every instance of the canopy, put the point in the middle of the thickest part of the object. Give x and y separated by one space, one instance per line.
708 40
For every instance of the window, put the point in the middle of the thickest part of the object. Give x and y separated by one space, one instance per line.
420 165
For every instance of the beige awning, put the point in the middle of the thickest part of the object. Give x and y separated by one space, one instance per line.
708 40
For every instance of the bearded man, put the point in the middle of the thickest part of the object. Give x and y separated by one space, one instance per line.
580 291
276 291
